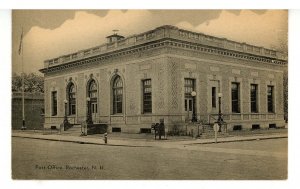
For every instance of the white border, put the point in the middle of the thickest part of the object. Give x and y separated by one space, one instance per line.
5 72
5 93
294 103
150 4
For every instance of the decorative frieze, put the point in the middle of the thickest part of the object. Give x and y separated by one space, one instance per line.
146 119
145 67
117 118
53 83
190 66
271 76
255 74
236 117
214 69
172 32
235 71
132 119
98 59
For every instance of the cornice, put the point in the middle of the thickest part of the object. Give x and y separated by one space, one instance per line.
163 43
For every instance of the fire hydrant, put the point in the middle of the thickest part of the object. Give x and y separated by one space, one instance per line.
105 138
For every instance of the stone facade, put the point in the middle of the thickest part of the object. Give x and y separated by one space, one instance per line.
167 55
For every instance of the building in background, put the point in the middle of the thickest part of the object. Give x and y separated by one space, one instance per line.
166 73
34 110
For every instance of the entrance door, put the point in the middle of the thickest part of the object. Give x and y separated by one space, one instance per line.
94 110
188 107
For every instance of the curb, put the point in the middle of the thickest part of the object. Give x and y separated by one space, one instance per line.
78 142
240 140
108 144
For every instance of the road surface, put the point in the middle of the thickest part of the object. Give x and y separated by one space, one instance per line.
41 159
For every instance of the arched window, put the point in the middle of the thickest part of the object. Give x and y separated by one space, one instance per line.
92 93
117 95
93 89
72 99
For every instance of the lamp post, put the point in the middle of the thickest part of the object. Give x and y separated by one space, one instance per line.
65 117
194 118
220 119
89 118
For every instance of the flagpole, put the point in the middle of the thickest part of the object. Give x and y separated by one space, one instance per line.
23 88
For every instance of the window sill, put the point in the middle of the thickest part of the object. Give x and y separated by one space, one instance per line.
117 115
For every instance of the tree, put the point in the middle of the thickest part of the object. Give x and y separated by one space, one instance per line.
32 83
283 48
285 93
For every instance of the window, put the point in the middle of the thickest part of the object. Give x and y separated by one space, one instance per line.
190 105
93 89
116 129
92 93
270 99
189 87
94 107
253 98
255 126
117 95
272 125
145 130
72 99
237 127
235 106
147 96
54 103
213 97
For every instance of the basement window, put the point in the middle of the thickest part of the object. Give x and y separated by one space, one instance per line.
145 130
255 126
237 127
272 126
116 129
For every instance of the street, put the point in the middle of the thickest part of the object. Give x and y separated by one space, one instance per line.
42 159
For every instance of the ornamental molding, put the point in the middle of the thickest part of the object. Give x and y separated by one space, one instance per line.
159 44
91 76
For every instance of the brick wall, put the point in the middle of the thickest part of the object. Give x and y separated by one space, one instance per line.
34 103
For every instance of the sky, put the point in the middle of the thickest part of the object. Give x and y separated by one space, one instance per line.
52 33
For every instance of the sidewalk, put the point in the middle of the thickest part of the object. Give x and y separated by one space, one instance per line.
98 139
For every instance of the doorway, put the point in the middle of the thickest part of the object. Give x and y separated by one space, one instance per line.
188 108
94 110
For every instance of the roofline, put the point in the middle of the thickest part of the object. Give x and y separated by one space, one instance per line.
117 52
175 28
115 35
